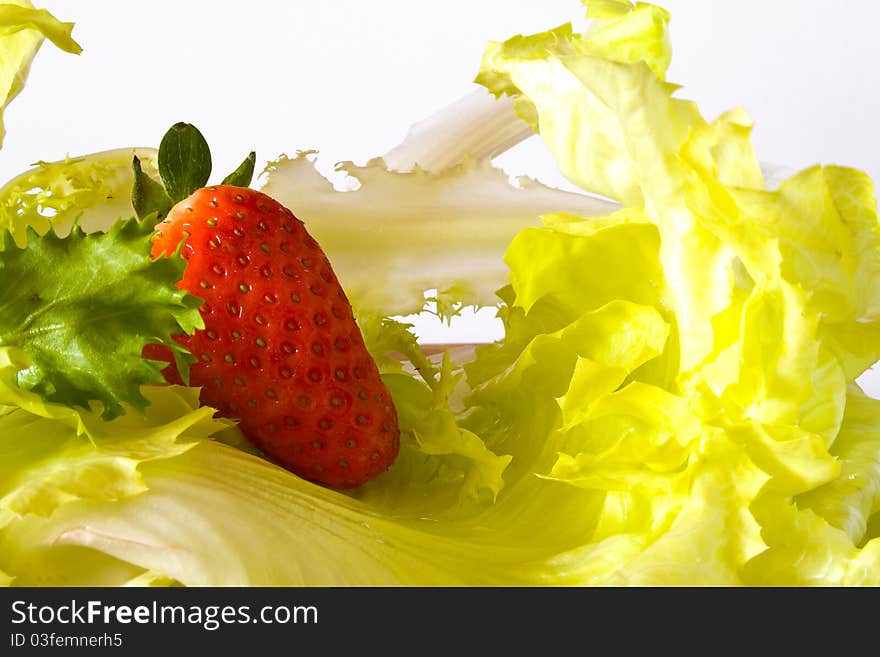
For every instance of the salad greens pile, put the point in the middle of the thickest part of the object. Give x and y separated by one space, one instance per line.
674 400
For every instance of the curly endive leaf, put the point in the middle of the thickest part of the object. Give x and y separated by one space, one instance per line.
402 233
83 324
92 191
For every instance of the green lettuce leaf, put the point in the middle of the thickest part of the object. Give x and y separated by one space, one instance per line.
770 292
53 454
455 469
848 501
22 31
198 502
83 325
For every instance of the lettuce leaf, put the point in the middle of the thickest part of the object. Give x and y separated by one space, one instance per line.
92 191
476 127
54 456
84 326
457 468
192 507
22 31
398 234
762 285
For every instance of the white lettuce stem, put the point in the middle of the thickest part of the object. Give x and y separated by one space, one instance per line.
476 126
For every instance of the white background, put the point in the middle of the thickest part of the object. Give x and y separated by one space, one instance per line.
347 77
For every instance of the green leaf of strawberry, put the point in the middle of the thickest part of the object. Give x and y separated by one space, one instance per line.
243 175
83 307
184 166
184 160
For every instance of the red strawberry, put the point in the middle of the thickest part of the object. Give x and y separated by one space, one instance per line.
280 350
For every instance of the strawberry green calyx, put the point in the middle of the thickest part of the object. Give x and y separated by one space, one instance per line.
147 196
243 175
83 307
184 163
